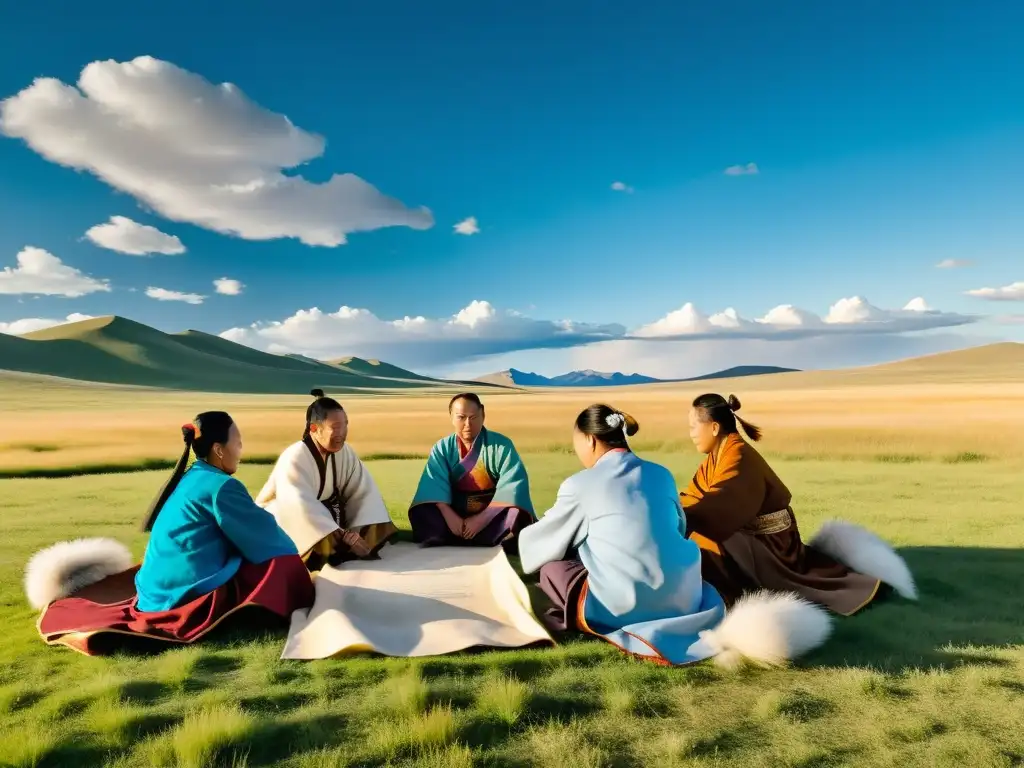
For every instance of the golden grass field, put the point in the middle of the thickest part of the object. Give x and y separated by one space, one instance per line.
939 408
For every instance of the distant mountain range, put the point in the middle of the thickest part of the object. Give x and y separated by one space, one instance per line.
116 350
589 378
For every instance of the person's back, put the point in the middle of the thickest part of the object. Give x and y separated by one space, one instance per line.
635 549
188 555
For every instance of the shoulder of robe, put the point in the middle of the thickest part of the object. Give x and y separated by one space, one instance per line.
293 450
497 438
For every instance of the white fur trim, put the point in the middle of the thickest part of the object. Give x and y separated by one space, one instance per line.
64 568
768 628
861 550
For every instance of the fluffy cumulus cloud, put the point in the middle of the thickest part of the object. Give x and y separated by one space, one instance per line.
854 315
198 152
41 273
750 169
123 235
162 294
480 330
29 324
467 226
227 286
1011 292
475 331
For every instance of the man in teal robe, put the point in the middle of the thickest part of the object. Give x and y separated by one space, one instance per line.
474 489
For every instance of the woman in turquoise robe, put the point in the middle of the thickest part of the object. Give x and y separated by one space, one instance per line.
615 562
474 489
211 552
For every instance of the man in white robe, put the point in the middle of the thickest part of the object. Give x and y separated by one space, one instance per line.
323 496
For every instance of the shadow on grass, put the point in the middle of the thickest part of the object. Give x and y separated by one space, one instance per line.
967 598
276 741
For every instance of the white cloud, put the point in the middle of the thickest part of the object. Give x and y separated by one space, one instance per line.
162 294
477 330
1009 319
123 235
467 226
42 273
853 315
29 324
1011 292
750 169
197 152
227 286
954 263
621 186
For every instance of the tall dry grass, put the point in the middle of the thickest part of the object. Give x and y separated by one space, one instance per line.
897 422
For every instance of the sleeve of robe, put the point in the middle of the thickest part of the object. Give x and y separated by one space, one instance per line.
250 528
563 527
296 507
364 504
733 497
435 484
513 487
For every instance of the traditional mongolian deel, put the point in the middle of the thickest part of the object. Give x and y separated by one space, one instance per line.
739 511
312 497
615 563
488 478
211 552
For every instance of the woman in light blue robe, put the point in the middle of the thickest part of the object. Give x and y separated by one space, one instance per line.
615 562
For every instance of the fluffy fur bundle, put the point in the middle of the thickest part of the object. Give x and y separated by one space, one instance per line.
768 628
66 567
861 550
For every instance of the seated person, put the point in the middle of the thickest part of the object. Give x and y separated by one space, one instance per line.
323 496
739 511
474 489
212 551
614 562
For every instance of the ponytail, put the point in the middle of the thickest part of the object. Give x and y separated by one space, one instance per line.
712 407
206 430
188 432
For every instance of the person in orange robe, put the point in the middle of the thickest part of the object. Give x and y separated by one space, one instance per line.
738 511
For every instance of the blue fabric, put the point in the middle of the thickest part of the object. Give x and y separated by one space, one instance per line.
645 593
209 526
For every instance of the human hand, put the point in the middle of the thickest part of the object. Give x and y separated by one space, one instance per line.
356 543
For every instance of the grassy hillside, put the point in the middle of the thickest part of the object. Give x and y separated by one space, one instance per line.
376 369
115 350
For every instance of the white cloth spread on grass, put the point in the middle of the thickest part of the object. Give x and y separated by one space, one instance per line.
416 602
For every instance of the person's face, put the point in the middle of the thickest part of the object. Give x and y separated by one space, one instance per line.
468 420
586 448
704 434
227 456
331 435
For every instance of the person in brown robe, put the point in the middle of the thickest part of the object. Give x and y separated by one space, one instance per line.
738 511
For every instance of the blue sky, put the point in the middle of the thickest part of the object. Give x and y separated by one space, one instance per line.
886 140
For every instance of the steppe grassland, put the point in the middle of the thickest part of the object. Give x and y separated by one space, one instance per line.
935 469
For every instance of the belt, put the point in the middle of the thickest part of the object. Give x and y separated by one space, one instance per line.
773 522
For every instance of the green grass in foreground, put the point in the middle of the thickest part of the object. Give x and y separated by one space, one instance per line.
933 683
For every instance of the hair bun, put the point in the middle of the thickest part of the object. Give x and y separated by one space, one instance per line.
317 393
188 432
734 402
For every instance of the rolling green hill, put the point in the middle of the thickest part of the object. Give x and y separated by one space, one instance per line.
116 350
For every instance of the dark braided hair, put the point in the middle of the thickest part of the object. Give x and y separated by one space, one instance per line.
206 430
318 411
593 421
722 411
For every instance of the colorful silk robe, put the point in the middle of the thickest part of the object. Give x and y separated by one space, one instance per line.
490 474
206 530
739 511
644 591
311 497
